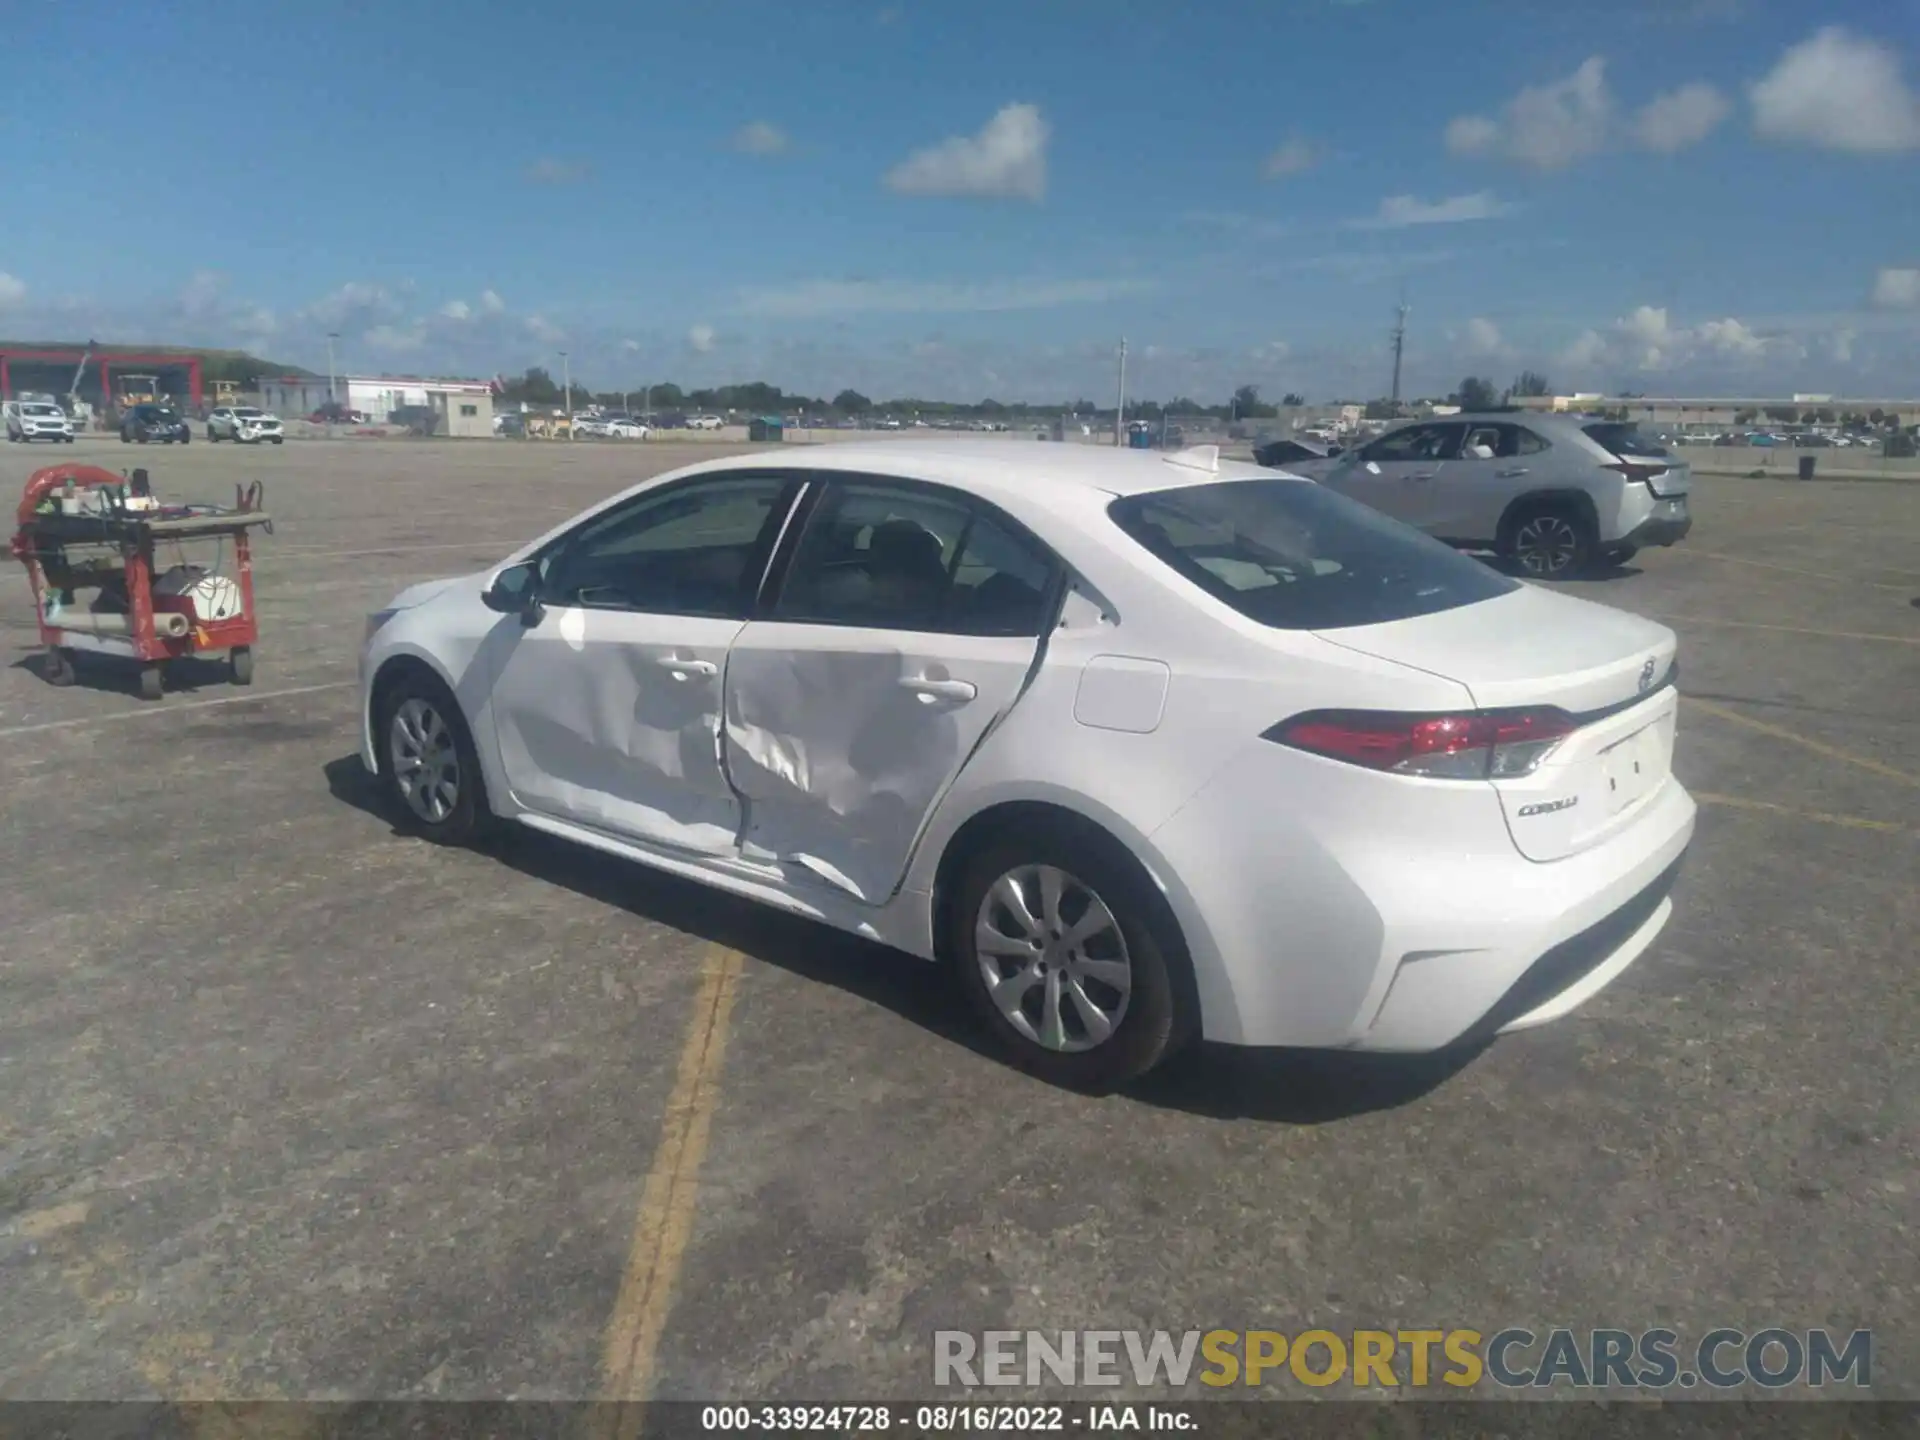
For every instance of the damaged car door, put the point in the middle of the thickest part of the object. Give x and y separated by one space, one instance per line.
906 623
606 700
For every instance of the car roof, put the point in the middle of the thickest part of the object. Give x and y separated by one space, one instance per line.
1001 468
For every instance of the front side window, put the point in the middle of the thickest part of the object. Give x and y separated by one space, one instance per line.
1416 442
693 549
1297 556
895 557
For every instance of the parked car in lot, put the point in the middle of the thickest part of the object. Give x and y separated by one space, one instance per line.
1146 747
162 423
1292 455
624 427
1555 495
29 420
705 422
245 424
334 413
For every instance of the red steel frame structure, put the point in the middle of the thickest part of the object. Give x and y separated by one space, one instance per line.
108 363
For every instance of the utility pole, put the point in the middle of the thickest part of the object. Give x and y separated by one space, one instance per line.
332 335
1399 349
1120 400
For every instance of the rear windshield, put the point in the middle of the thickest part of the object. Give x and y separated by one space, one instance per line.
1295 556
1625 439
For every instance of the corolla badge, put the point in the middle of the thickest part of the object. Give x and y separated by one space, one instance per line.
1646 673
1548 807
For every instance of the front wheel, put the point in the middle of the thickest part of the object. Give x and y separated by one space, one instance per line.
186 438
240 664
428 764
1549 543
1065 964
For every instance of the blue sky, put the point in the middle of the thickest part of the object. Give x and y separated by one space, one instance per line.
962 200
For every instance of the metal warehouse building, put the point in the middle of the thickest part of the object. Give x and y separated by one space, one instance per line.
460 407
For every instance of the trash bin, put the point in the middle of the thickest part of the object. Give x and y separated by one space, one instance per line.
766 427
1806 467
1140 439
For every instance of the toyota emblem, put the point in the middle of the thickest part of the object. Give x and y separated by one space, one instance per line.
1646 674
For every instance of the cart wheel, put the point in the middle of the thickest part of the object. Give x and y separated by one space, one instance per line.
149 682
59 666
240 658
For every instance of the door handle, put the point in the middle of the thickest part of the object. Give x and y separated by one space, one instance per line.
1514 474
929 691
1423 475
687 669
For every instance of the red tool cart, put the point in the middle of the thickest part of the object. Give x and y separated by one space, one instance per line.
83 529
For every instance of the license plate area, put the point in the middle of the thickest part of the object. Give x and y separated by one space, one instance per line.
1633 767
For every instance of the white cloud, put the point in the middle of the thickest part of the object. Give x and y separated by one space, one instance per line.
457 310
1840 345
1483 337
702 338
1680 118
1398 211
1894 288
1006 159
491 302
1648 340
760 138
399 339
1730 337
1545 126
1295 156
548 170
813 298
631 347
259 321
12 289
356 301
544 330
1838 91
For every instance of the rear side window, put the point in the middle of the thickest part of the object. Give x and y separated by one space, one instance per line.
1626 440
1299 557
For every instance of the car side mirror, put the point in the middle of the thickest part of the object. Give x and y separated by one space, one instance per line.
516 591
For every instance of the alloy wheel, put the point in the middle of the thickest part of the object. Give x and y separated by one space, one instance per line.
1546 545
1053 957
426 762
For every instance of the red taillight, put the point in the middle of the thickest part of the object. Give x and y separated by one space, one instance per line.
1477 745
1641 471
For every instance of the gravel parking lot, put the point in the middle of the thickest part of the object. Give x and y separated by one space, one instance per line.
292 1106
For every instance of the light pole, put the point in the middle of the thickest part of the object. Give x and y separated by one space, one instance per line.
1120 401
332 335
566 390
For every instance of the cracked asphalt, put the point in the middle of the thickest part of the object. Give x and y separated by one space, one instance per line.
291 1106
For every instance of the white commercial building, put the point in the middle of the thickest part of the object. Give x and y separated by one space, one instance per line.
451 407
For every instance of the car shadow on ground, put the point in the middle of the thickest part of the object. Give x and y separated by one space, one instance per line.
1295 1087
1601 573
115 675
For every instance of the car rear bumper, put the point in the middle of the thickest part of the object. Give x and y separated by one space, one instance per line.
1660 530
1404 922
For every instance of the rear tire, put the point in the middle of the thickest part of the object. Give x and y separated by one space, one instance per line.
429 768
152 682
1078 958
1549 541
240 663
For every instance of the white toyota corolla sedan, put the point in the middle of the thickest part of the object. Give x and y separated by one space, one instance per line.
1146 747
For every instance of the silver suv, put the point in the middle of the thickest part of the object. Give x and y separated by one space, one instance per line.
1554 494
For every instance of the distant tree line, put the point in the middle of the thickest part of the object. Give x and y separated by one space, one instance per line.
538 387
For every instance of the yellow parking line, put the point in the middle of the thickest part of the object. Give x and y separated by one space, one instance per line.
668 1200
1788 629
1852 822
1818 747
1796 570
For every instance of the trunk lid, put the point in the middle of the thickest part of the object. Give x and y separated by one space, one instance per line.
1610 670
